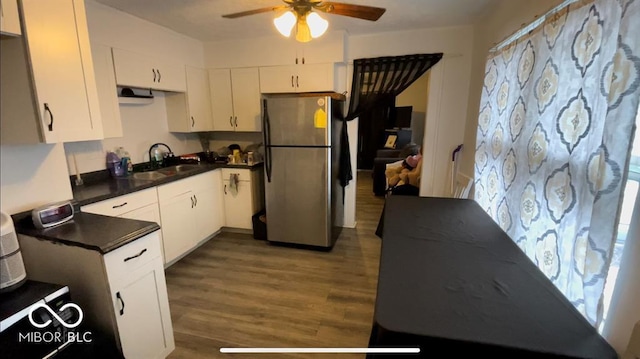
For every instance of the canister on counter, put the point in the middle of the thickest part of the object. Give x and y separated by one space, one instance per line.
250 158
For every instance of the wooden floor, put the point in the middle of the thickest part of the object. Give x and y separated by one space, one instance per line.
235 291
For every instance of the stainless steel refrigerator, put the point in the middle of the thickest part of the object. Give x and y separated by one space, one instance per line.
304 200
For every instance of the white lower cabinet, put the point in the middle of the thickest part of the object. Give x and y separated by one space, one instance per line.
122 293
237 205
242 202
191 210
144 323
178 230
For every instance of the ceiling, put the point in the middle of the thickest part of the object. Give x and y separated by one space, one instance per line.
202 19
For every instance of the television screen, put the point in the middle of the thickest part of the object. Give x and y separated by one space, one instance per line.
403 116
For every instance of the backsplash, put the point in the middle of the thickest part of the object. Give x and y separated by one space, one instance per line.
142 126
223 139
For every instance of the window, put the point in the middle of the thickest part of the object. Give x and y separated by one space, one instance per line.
631 189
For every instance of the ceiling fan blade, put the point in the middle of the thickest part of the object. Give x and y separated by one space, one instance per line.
255 11
358 11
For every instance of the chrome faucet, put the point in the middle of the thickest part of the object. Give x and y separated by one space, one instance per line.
154 158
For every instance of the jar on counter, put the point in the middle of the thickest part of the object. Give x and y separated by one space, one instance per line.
250 160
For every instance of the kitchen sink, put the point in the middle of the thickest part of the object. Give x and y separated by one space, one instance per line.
149 176
172 170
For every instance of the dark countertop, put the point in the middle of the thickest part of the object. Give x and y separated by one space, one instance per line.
91 231
102 186
104 233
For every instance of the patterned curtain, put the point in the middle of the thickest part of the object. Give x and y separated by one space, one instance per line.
554 133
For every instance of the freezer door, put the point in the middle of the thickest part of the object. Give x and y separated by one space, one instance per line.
298 121
298 197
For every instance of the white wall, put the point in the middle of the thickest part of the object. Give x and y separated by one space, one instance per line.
506 17
32 175
416 96
142 125
112 27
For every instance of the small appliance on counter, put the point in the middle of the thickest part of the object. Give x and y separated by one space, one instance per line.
12 271
53 214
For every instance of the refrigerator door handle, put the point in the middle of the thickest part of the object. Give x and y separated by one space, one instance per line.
267 139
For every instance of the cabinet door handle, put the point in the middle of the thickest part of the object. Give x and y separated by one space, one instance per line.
225 189
196 200
297 84
159 75
231 121
193 122
303 60
119 297
296 60
119 205
136 256
235 121
192 202
47 109
154 74
292 81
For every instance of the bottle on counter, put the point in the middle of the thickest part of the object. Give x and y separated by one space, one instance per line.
114 164
237 157
125 158
250 160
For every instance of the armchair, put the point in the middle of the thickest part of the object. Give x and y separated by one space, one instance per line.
383 157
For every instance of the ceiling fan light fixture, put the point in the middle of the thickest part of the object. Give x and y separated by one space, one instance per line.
317 25
303 32
285 23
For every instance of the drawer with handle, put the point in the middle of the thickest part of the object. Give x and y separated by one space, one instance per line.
120 205
243 174
133 255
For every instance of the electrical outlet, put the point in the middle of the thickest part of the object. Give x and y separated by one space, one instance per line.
633 350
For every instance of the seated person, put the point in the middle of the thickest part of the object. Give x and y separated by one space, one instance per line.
407 173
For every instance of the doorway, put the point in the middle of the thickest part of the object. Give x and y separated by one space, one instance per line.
387 118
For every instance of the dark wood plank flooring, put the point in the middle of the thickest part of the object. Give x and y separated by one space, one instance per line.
235 291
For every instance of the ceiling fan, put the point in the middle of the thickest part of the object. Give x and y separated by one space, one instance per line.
302 15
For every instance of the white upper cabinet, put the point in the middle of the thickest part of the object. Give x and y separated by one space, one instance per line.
277 50
191 111
107 91
59 52
199 99
9 18
142 71
298 78
221 99
235 99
